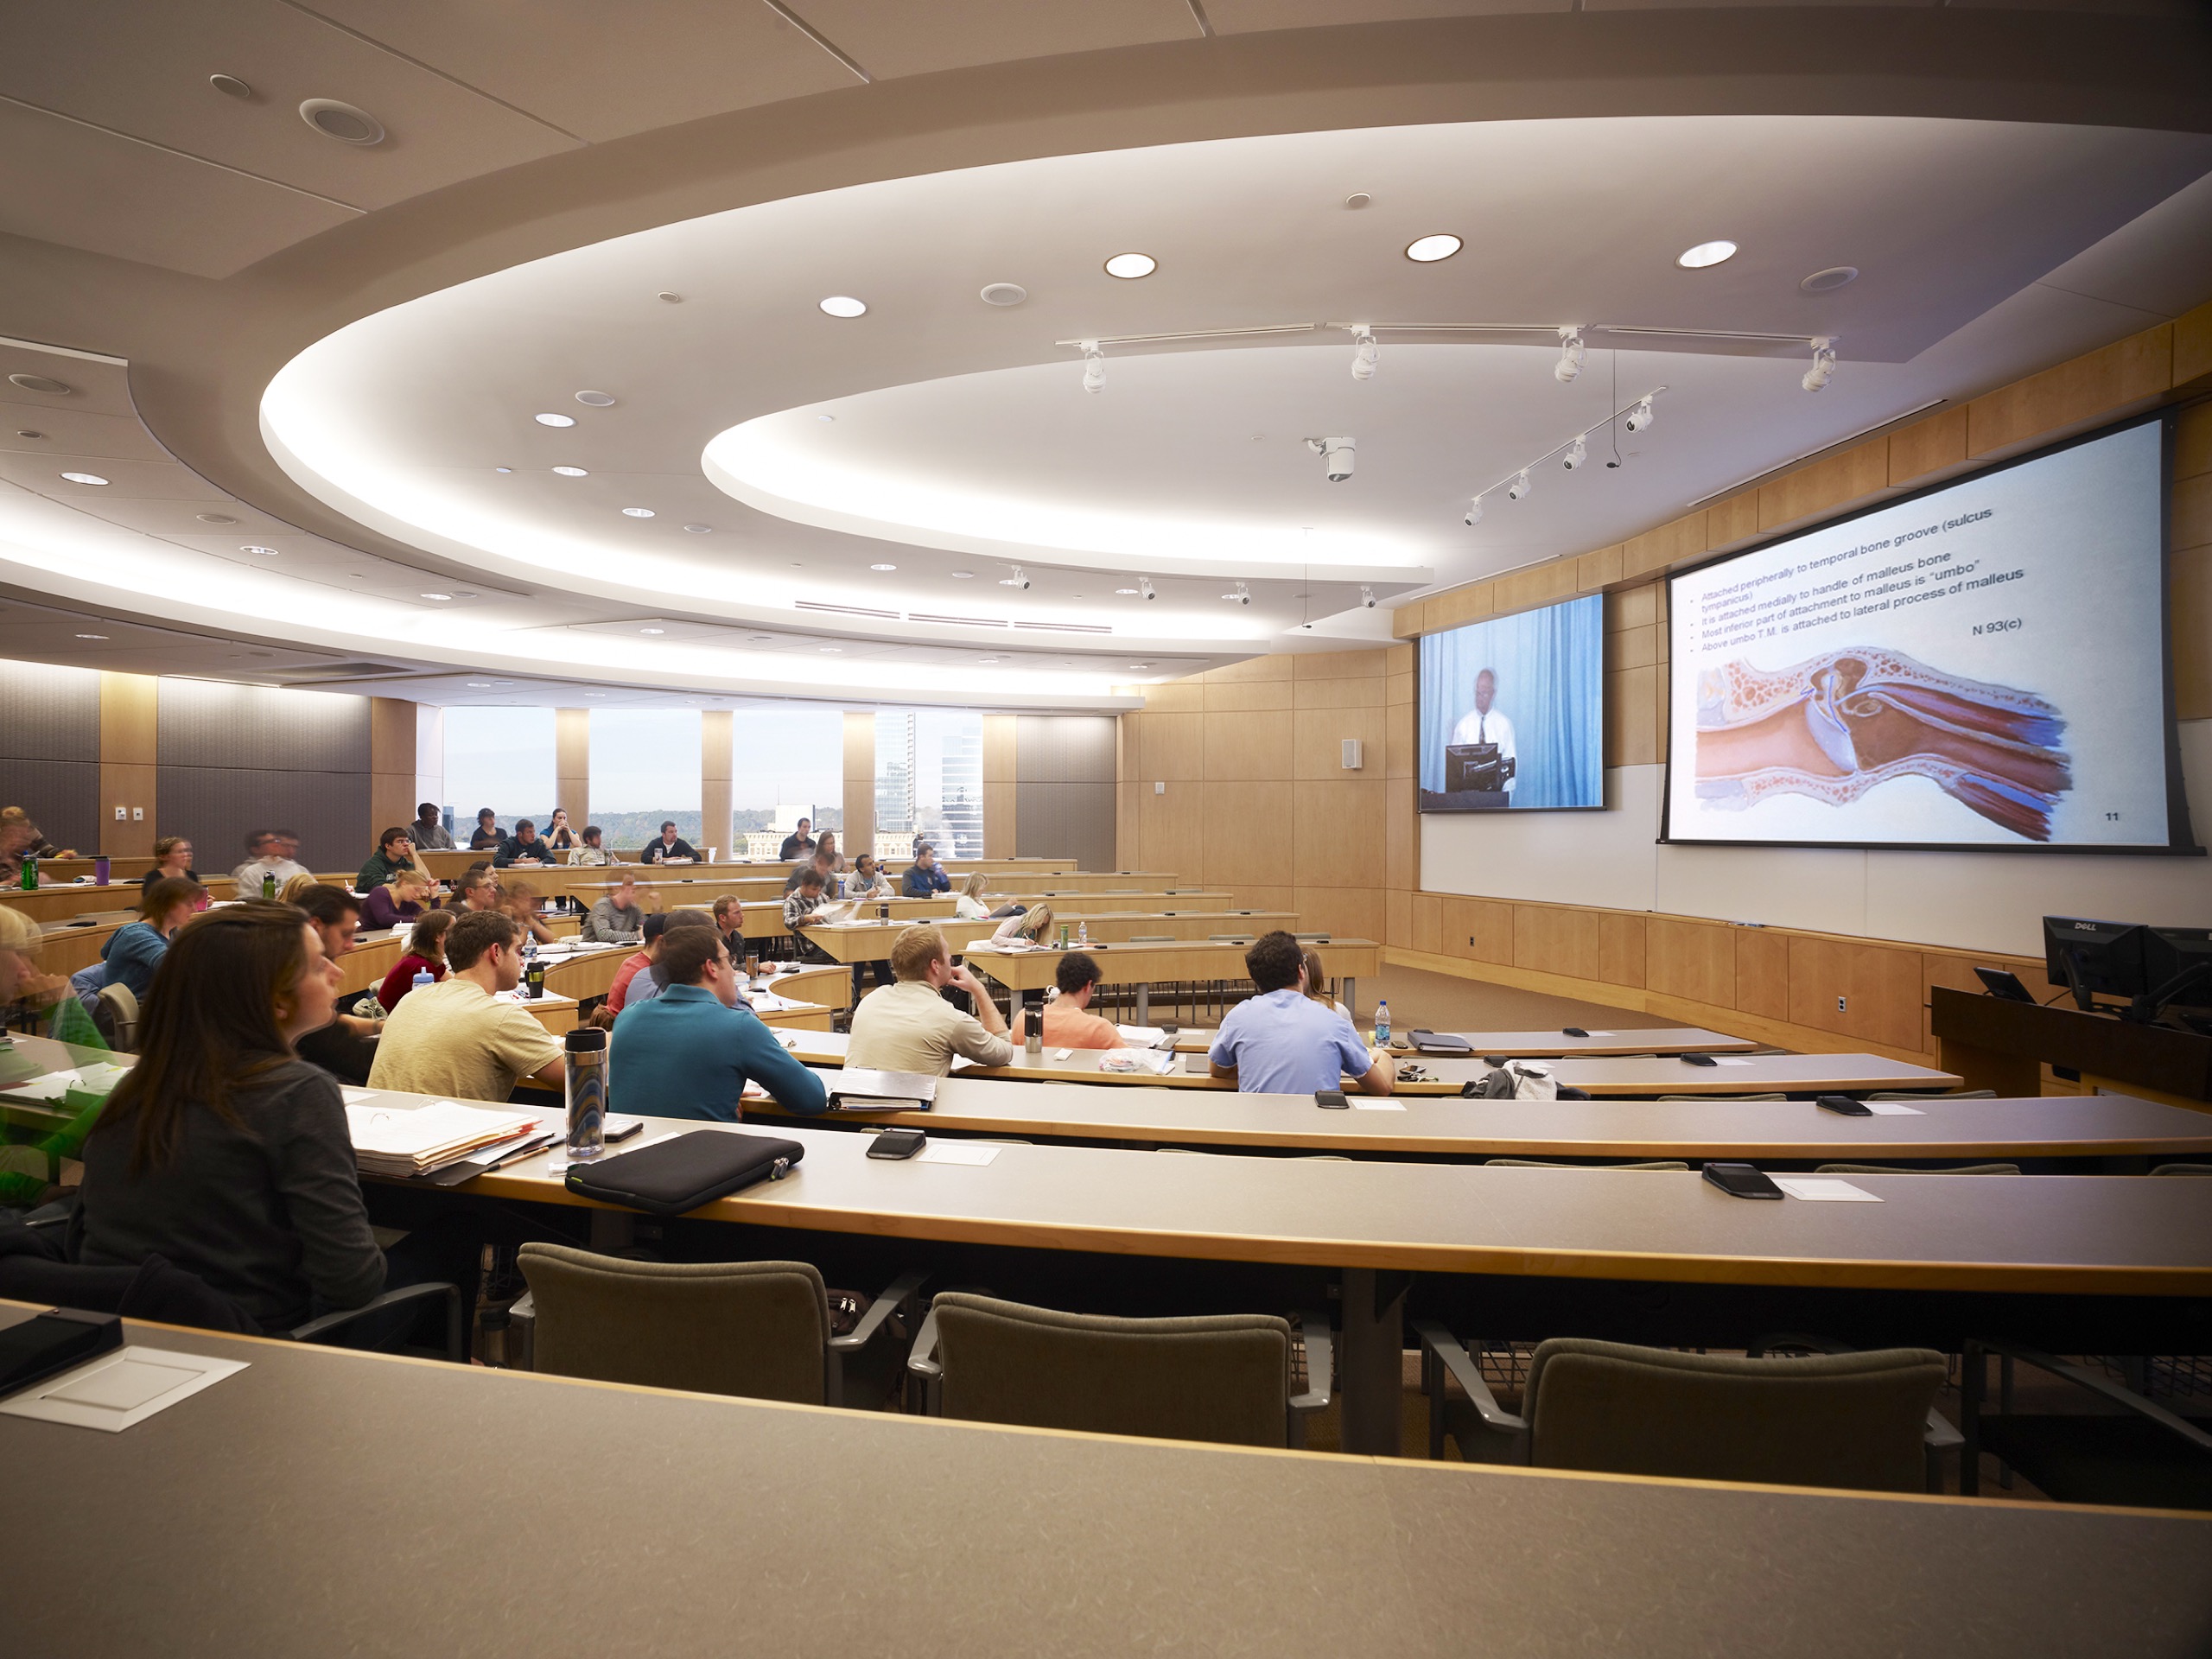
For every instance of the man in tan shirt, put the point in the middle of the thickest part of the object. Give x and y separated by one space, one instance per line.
454 1038
908 1026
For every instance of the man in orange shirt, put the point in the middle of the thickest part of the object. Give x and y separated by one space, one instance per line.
1068 1022
648 953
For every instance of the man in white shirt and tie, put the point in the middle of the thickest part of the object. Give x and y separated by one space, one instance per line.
1483 724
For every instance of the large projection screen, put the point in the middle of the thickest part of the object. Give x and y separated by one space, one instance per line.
1512 712
1981 665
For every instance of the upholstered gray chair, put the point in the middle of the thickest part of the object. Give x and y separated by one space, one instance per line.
1899 1169
1849 1419
1223 1377
758 1329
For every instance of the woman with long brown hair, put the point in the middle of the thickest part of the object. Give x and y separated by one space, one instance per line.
221 1149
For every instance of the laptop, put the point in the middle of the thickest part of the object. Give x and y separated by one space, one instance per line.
1473 766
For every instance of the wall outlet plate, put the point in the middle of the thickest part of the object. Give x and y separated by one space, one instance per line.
137 815
122 813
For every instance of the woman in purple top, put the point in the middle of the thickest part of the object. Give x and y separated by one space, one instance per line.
398 902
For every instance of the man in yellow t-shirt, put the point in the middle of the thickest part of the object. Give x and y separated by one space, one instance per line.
458 1037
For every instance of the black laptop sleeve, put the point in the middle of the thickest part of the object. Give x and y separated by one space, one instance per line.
672 1178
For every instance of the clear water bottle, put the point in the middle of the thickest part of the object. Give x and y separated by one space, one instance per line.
1082 934
584 1088
1383 1025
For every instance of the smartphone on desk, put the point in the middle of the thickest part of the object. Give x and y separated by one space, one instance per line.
897 1143
621 1129
1844 1106
1332 1100
1742 1180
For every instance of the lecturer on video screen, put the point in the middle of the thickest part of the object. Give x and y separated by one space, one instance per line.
1483 724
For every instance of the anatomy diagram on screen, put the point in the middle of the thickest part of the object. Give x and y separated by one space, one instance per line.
1840 725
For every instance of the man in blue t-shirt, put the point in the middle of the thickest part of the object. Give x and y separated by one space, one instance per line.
689 1052
925 879
1282 1042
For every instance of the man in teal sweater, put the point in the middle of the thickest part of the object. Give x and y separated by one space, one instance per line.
689 1052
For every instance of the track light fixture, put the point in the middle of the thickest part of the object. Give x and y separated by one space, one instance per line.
1144 587
1823 363
1367 596
1519 488
1574 453
1570 353
1094 367
1639 418
1336 456
1242 595
1475 510
1577 452
1364 351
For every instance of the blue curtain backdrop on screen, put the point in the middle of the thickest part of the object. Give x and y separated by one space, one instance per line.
1549 667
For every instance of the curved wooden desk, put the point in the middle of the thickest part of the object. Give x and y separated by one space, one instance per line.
865 941
1144 965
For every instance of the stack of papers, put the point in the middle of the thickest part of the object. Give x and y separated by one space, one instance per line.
1145 1036
769 1003
1143 1059
402 1143
97 1078
858 1089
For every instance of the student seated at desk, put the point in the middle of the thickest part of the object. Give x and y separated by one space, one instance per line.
221 1149
649 936
592 851
689 1052
398 902
1282 1042
454 1038
429 830
394 852
867 881
801 900
478 889
558 834
647 985
1068 1020
487 835
135 949
909 1027
729 922
925 879
618 918
45 1005
827 848
523 848
519 900
172 856
800 843
670 847
426 953
25 839
818 861
345 1046
269 853
1316 985
968 904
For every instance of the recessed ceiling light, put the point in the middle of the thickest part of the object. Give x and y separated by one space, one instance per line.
1131 266
252 547
883 567
230 85
344 122
834 651
30 435
437 595
1004 294
667 296
547 418
502 469
1358 200
92 636
214 518
503 682
1428 249
827 419
572 472
700 530
844 305
637 513
1706 253
83 478
45 382
963 576
986 659
1143 664
761 639
652 630
1826 282
596 399
594 693
479 685
1125 590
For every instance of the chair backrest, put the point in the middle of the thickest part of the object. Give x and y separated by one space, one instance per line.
1547 1163
115 1016
1827 1419
1895 1169
760 1329
1703 1099
1223 1377
2182 1169
1948 1094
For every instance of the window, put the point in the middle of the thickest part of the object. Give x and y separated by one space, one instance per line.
502 758
929 783
785 765
644 771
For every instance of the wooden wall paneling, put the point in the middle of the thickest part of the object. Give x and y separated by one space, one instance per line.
1401 830
2189 568
1555 939
1174 745
1635 705
1242 897
1317 738
1248 696
2193 441
1344 912
128 766
1401 743
1729 521
1621 947
1338 665
1398 917
1597 570
1427 920
1825 486
1248 835
1479 930
1000 799
1239 747
1275 666
2091 387
1175 698
1524 590
1407 621
1172 829
858 811
1632 648
1879 985
1364 692
1338 829
1928 447
1693 960
718 779
1671 544
391 764
1763 972
1631 607
2193 345
572 765
1459 604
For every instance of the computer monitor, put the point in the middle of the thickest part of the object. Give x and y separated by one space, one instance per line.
2089 957
2178 963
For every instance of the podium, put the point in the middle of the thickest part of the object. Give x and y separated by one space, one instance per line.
1996 1044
